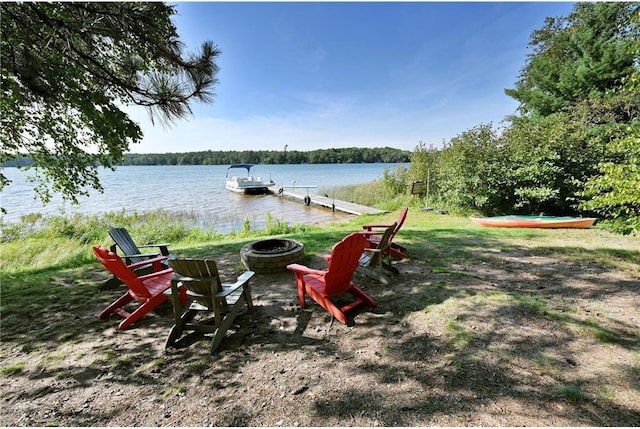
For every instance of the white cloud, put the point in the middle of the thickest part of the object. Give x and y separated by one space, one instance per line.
324 121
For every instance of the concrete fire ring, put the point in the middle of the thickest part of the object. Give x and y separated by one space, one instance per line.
271 255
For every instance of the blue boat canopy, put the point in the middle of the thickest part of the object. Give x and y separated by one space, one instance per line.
247 166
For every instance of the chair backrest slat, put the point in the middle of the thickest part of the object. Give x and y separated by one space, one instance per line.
114 264
196 269
385 239
123 240
398 224
345 257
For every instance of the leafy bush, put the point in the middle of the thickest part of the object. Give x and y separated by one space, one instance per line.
395 182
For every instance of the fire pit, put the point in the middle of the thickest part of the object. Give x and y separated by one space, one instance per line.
272 255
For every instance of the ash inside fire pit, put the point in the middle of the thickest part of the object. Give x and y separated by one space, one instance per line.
273 246
271 255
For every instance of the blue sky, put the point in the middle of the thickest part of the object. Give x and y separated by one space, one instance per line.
365 74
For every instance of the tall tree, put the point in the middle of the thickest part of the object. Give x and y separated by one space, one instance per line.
615 193
579 57
67 71
576 145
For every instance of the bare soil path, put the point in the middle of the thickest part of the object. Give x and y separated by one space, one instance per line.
471 333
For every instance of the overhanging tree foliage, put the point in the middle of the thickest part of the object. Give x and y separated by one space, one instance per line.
67 71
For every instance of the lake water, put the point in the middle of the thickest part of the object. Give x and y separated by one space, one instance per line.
196 190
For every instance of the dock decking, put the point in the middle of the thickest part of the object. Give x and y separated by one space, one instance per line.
328 202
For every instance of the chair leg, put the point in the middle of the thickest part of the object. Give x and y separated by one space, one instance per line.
225 324
360 294
174 334
326 303
179 327
301 288
142 310
247 295
120 302
177 303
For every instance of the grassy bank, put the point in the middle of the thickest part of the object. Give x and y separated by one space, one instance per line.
482 327
39 254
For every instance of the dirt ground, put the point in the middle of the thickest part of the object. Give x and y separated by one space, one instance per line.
522 336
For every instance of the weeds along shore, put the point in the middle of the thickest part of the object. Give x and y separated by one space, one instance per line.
65 240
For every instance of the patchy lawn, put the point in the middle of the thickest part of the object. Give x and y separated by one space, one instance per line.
477 330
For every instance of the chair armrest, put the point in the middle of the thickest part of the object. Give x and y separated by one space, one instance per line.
143 255
369 227
164 248
245 277
370 233
230 288
156 274
297 268
146 262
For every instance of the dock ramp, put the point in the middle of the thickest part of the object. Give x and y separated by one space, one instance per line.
301 193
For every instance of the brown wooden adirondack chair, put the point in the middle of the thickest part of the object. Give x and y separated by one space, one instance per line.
336 280
394 249
148 289
374 261
206 293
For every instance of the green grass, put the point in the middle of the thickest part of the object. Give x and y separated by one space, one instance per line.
545 362
150 366
600 333
572 392
12 369
65 241
48 264
462 317
458 334
104 357
174 390
198 367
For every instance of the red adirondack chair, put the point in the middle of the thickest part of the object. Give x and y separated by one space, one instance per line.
394 249
148 289
336 280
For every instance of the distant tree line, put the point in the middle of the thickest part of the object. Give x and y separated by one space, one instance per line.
351 155
21 161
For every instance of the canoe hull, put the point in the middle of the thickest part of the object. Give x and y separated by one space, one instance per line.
534 222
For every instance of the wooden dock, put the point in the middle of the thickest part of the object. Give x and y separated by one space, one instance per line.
302 194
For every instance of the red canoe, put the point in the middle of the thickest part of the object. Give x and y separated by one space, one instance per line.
535 221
